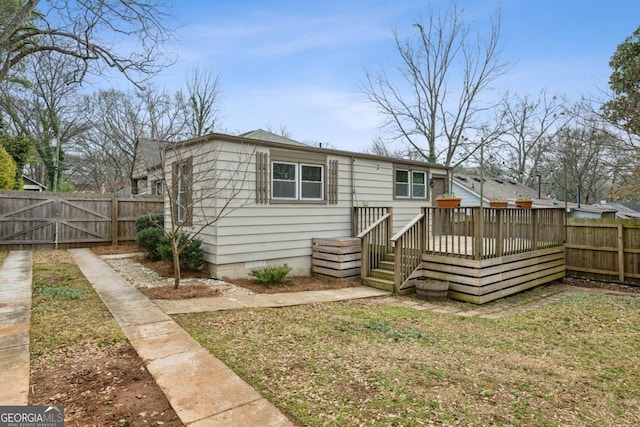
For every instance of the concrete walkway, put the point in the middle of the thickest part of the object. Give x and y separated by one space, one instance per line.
15 320
199 387
196 305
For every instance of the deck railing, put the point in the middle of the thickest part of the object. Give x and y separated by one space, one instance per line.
375 243
480 233
363 216
408 246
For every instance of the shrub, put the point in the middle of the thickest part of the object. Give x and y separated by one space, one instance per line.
191 258
149 239
148 221
7 170
272 274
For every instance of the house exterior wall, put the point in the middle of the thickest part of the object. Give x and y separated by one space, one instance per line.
251 234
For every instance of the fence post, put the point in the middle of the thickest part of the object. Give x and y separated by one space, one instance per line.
620 252
114 220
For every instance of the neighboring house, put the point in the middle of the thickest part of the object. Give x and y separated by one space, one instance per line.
147 167
469 187
274 195
30 184
624 210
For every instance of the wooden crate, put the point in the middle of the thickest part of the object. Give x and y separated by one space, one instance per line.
336 258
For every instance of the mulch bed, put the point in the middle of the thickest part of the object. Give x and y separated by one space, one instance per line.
183 292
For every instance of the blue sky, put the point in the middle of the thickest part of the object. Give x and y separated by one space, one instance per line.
299 63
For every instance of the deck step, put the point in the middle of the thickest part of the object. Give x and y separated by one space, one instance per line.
383 273
375 282
389 257
386 265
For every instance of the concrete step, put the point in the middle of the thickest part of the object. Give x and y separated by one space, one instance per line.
374 282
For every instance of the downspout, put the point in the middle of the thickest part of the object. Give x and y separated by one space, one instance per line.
353 181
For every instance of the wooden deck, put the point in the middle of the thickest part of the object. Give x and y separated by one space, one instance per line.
484 253
484 280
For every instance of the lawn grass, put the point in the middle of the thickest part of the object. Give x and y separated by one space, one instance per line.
575 362
66 311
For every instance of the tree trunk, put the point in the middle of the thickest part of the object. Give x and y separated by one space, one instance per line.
176 264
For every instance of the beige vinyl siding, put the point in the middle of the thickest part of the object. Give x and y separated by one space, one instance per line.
252 234
374 187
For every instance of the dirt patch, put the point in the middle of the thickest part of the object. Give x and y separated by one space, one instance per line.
100 386
297 284
183 292
596 284
128 248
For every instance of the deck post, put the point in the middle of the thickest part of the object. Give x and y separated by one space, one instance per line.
397 266
389 228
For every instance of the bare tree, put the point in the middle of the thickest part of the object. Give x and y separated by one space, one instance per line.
380 148
78 31
282 130
528 128
443 73
201 193
203 104
579 159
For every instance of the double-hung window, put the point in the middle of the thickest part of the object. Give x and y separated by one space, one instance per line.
297 181
410 184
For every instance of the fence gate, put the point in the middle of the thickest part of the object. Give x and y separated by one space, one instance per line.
43 219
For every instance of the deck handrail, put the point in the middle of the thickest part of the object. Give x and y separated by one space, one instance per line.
408 246
407 226
375 244
480 233
372 226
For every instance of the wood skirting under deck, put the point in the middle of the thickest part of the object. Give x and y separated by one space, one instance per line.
481 281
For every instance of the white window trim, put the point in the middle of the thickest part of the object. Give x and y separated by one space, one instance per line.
395 183
410 190
424 184
321 181
298 181
295 180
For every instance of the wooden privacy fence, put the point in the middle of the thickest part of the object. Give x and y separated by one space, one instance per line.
604 249
45 220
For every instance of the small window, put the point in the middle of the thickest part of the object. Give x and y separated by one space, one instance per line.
419 185
285 183
311 185
402 183
182 193
158 188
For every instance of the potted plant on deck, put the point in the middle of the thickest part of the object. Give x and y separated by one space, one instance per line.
448 201
498 203
524 202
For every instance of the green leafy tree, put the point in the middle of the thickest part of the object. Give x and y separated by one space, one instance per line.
19 148
625 84
7 170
